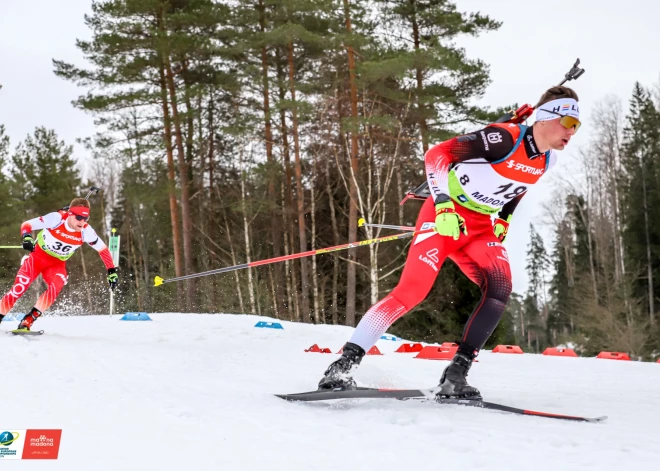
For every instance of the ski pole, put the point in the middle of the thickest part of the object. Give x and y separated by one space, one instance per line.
11 246
93 190
573 74
362 223
159 281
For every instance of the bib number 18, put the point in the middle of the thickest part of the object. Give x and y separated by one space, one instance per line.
517 191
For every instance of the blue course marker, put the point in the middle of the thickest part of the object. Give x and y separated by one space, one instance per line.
136 316
269 325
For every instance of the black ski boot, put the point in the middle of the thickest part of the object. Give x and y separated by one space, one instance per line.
338 374
453 383
1 317
29 319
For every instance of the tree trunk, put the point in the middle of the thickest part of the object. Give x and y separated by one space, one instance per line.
315 278
174 210
189 122
353 196
420 82
649 260
586 219
211 212
233 262
335 238
185 185
275 215
136 274
289 212
246 229
300 194
287 267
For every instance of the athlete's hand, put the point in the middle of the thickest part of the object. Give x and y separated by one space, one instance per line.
501 229
28 242
448 222
113 278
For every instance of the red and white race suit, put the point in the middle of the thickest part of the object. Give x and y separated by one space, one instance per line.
56 243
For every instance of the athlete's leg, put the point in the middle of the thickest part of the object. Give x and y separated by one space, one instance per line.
425 257
29 271
55 277
485 261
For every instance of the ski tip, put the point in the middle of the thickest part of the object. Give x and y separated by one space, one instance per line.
287 397
597 419
158 281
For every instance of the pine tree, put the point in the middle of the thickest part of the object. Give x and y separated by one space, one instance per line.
537 267
44 174
445 78
641 191
8 223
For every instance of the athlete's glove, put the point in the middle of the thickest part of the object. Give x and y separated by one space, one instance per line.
448 222
28 242
113 278
501 228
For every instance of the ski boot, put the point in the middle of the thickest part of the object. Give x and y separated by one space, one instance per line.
29 319
338 374
453 383
1 317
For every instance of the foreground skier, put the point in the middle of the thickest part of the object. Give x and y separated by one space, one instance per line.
470 178
63 233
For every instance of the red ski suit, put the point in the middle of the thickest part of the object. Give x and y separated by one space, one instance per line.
504 163
55 244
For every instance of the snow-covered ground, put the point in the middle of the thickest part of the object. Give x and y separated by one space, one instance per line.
195 392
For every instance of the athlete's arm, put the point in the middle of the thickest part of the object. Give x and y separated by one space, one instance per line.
95 242
491 143
507 210
48 221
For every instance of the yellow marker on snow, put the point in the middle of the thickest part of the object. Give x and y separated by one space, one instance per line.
361 222
158 281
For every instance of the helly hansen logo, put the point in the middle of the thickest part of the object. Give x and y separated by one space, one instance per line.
524 168
563 109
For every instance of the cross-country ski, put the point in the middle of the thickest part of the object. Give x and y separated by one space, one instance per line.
327 234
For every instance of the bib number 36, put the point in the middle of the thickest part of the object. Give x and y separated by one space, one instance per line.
60 247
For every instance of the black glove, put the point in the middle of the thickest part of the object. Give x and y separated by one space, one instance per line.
28 242
113 278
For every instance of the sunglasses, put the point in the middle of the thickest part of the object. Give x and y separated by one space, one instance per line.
81 218
567 121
